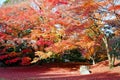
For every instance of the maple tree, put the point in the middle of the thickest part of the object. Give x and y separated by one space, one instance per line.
78 16
55 26
89 48
16 23
98 23
22 28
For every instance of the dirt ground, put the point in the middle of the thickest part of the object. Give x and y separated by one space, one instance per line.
55 71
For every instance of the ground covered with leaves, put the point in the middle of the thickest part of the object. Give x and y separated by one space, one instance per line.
60 71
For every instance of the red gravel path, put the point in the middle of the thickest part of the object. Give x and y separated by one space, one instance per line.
59 72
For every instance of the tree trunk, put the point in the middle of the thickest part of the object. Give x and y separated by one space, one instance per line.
93 60
111 62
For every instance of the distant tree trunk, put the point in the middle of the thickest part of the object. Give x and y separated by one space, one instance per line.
113 60
93 60
110 58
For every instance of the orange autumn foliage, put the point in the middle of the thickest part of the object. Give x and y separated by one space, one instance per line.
116 7
60 47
